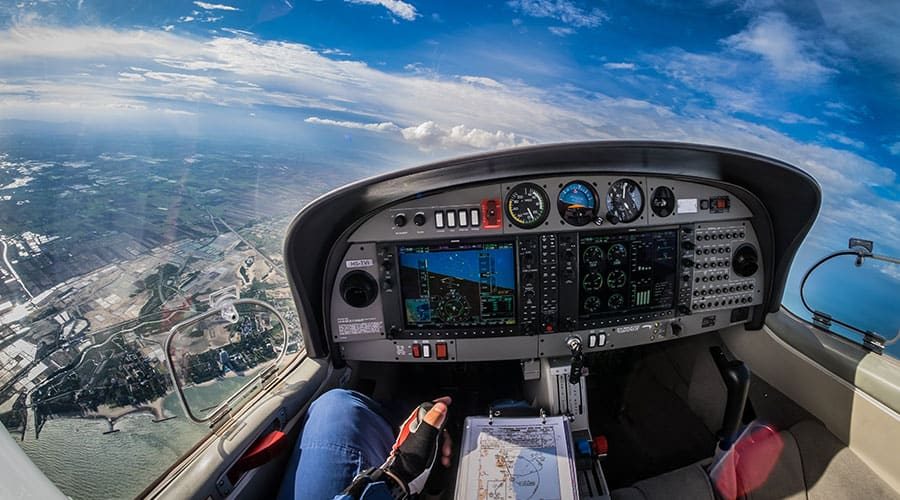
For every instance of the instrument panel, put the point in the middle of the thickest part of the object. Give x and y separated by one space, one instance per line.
511 269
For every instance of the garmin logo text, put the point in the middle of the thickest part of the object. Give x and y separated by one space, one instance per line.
351 264
627 329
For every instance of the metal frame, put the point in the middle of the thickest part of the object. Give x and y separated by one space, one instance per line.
871 340
224 305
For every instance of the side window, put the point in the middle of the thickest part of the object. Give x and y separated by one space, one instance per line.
854 292
85 385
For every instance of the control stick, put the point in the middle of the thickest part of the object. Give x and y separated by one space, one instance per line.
736 376
577 366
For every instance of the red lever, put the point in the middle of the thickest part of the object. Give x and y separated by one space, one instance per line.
264 450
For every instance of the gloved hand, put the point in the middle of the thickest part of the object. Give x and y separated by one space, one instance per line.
418 446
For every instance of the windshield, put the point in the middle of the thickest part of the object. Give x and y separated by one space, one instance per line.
152 153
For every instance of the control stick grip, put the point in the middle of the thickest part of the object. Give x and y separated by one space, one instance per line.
577 366
736 376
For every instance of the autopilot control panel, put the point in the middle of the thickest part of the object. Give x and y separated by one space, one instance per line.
511 270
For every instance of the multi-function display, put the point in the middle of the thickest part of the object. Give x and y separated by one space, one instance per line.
626 273
449 286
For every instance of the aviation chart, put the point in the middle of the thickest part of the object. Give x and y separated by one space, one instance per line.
516 458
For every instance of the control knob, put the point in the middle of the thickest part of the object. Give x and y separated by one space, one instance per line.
419 219
399 220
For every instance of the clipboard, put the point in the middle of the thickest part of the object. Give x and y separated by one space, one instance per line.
516 458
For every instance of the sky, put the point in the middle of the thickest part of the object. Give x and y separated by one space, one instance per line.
814 83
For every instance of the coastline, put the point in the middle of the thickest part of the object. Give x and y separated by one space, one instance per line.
113 414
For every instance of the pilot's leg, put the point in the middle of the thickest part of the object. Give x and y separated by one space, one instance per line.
344 434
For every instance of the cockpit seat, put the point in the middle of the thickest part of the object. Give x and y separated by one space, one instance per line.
804 462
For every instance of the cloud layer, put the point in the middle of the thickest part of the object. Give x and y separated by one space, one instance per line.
64 74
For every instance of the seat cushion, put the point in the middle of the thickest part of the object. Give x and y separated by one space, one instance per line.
804 462
686 483
833 471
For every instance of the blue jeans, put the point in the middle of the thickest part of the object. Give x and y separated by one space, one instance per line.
344 434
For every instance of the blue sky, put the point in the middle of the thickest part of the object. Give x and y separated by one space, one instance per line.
815 83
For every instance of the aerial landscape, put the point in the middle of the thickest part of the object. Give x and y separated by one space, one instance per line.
147 240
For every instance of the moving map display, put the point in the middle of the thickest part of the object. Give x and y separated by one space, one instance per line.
626 273
458 286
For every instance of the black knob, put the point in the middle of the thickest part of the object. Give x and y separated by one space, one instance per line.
745 261
687 245
419 219
612 218
684 310
687 262
399 220
676 328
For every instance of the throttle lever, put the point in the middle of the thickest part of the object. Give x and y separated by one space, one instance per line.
576 368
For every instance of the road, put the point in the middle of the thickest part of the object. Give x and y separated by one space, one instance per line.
276 267
13 271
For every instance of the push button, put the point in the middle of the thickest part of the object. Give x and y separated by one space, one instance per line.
439 219
440 350
451 218
592 340
475 217
463 217
426 350
416 351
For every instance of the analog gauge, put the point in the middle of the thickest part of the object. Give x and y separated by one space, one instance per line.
527 205
593 282
577 203
616 279
593 256
615 301
625 201
662 202
617 254
593 304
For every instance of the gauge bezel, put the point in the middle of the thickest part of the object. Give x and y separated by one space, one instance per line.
640 210
562 207
670 198
544 197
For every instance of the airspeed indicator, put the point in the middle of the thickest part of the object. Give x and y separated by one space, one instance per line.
527 205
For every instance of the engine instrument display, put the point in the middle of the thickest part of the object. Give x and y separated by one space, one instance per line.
527 205
639 273
577 203
449 286
625 201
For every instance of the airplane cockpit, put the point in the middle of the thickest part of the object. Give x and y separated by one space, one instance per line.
623 285
629 293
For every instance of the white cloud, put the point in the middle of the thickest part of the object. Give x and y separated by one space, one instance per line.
482 81
773 38
562 10
890 270
894 148
619 65
792 118
561 30
843 139
843 112
215 6
372 127
398 8
429 135
168 27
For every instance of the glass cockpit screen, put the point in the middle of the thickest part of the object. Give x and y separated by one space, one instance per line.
458 286
627 273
